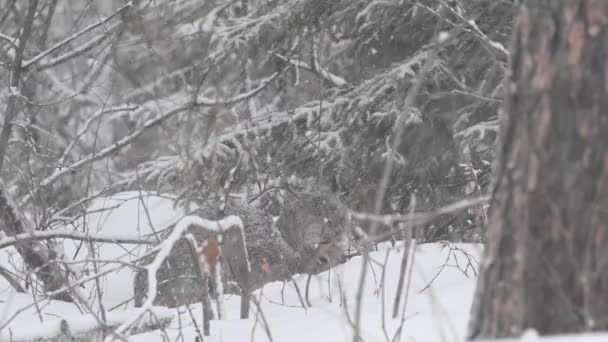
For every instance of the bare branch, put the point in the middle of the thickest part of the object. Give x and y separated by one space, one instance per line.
405 259
495 46
60 172
67 40
332 79
87 123
421 218
397 133
73 235
45 64
83 280
11 40
8 276
202 102
152 87
468 26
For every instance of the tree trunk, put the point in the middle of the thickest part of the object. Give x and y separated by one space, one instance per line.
546 260
35 254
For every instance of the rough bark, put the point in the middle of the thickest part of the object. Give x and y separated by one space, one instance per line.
16 70
546 256
35 254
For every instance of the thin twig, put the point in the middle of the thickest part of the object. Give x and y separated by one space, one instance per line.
67 40
387 171
404 260
72 235
120 144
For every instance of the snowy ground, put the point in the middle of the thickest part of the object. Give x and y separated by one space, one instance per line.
438 313
437 307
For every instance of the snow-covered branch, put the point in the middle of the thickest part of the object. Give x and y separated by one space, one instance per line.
481 128
12 41
74 36
87 123
203 101
156 86
496 46
332 79
35 255
45 64
100 273
325 74
420 218
469 26
165 249
73 235
108 150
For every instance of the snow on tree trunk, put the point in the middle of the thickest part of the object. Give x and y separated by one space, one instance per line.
165 249
209 255
547 246
219 289
35 254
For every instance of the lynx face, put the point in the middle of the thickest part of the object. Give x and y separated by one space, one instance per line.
332 253
316 226
325 242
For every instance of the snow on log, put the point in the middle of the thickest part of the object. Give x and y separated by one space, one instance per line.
85 327
166 246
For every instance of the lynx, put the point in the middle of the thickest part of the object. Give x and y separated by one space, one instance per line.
309 236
